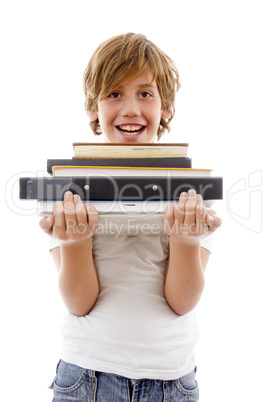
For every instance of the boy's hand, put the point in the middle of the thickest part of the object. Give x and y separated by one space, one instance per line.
188 221
72 220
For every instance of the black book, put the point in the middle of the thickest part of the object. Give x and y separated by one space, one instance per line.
109 188
173 162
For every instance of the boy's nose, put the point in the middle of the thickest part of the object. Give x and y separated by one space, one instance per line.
130 107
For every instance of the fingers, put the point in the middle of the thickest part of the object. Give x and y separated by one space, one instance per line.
201 212
81 215
92 218
70 214
169 217
189 218
190 208
86 215
213 222
59 227
180 209
46 224
73 220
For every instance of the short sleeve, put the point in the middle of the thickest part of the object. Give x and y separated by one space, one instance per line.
207 242
53 243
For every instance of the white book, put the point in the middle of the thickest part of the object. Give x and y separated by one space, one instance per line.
125 218
45 208
115 171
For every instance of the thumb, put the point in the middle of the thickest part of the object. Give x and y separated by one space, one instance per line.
213 221
46 224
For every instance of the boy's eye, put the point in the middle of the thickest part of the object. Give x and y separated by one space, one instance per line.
114 95
144 94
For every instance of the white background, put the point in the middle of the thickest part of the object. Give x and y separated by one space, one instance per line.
220 50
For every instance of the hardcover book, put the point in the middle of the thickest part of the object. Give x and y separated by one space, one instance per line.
60 171
172 162
113 150
119 194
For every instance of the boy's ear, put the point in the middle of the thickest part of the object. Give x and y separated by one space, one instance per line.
92 115
165 114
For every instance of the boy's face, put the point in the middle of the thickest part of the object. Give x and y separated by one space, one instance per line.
131 113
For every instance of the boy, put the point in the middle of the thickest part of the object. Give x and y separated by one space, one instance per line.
131 331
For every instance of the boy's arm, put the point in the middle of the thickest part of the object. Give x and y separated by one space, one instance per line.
186 223
74 223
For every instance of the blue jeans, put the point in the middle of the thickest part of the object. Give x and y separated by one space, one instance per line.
73 383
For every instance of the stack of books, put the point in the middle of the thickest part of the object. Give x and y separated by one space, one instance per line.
120 178
126 160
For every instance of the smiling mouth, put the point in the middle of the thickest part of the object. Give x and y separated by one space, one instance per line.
130 129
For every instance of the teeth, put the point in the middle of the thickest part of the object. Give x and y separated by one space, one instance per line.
130 130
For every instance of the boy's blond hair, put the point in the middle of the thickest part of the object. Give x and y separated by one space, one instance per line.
124 57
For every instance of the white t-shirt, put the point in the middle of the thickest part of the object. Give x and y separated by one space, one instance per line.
131 331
